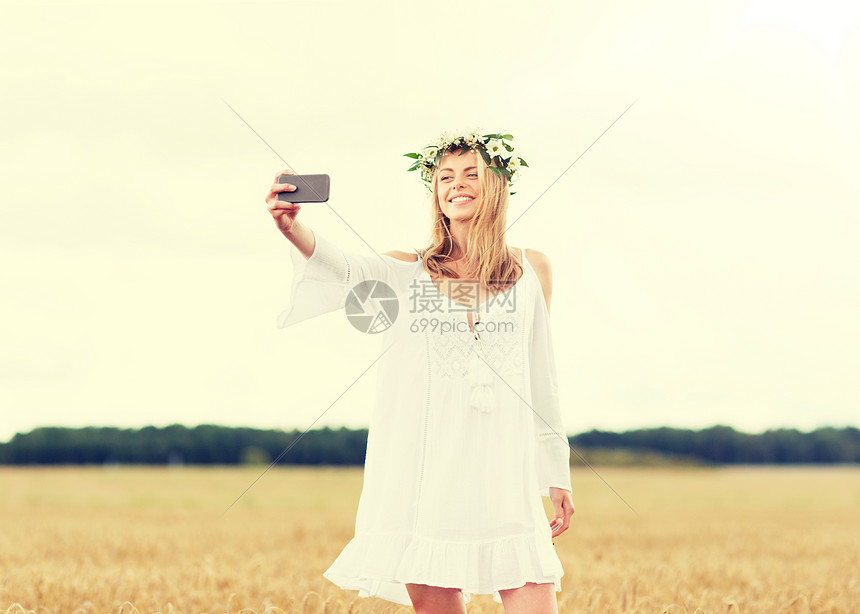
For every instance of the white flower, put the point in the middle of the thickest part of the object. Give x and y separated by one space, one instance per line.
505 153
514 165
474 139
495 148
444 140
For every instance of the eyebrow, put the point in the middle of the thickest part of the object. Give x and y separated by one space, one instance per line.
468 168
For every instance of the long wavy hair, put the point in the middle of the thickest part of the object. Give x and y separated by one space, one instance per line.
488 255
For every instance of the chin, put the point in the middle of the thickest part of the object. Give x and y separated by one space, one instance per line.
461 216
460 212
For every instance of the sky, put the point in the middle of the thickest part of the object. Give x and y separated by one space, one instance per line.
704 249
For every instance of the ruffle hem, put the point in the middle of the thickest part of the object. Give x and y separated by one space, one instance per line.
379 565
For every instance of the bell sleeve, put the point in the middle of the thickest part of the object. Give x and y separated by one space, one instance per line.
322 282
552 448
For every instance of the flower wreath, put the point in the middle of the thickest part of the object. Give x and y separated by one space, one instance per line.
493 148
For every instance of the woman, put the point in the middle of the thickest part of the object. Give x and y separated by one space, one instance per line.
467 432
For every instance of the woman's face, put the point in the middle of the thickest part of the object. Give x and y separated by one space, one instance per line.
457 185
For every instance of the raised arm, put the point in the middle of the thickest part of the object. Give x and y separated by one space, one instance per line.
285 215
323 273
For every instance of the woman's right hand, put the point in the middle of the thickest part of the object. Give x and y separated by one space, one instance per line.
284 213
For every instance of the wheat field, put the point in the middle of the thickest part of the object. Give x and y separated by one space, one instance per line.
136 539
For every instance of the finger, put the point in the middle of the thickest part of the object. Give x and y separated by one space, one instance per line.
563 512
277 189
568 514
273 204
282 207
281 187
558 507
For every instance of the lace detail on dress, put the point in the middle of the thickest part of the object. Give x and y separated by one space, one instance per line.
450 352
503 341
502 337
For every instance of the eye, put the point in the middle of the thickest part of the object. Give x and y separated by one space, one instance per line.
473 174
445 178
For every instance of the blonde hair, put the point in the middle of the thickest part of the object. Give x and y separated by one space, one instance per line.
487 252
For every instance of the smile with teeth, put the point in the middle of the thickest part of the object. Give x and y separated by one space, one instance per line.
459 200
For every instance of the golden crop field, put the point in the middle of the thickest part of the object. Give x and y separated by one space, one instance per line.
133 539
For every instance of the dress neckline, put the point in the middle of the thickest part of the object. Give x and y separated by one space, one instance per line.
489 298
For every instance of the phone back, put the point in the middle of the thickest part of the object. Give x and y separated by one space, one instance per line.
309 188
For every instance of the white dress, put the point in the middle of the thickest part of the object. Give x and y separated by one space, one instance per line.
452 489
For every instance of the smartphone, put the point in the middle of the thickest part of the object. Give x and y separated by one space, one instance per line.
309 188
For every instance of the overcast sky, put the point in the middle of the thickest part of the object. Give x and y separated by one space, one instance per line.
705 250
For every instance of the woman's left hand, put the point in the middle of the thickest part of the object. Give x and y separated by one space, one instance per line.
562 502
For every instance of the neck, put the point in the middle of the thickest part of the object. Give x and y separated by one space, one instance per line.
459 234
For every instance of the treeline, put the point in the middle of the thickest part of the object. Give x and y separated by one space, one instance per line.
222 445
205 444
723 445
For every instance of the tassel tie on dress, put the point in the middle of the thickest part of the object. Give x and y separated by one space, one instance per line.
481 377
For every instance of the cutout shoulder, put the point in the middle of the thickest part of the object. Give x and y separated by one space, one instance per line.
404 256
543 268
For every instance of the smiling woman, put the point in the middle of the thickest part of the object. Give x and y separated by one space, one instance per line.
467 434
